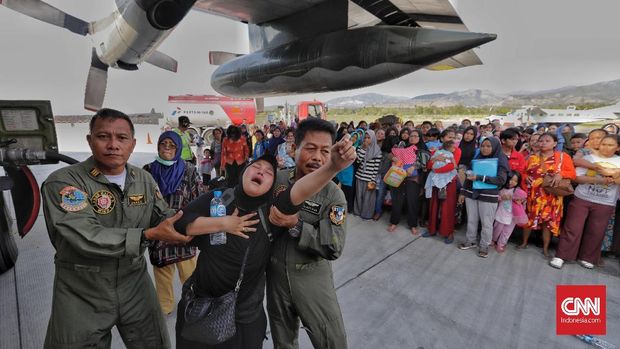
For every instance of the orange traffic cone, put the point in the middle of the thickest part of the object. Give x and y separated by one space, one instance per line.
148 139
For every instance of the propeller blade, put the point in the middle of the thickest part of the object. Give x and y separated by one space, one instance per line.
163 61
96 83
47 13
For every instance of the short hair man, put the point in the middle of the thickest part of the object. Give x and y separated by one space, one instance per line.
299 277
100 215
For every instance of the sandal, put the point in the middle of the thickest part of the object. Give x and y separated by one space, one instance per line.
521 247
391 228
414 231
426 234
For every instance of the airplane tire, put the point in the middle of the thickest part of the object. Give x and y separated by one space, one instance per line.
8 248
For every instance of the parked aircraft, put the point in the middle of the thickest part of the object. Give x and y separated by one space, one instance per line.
528 115
296 46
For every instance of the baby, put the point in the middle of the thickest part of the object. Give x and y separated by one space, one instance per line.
441 158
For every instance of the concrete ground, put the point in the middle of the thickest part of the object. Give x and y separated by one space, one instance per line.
395 290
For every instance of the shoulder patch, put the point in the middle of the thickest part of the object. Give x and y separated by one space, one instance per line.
73 199
337 215
279 189
103 202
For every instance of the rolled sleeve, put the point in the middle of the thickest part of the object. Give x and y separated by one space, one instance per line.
133 242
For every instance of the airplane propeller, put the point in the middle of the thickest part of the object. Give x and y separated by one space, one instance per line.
47 13
98 73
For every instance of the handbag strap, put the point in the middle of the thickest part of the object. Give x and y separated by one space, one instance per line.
245 258
247 250
559 166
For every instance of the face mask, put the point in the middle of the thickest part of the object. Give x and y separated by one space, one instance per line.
165 162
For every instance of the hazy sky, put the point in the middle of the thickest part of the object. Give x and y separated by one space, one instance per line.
542 44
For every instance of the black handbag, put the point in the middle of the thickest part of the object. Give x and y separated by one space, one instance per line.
210 320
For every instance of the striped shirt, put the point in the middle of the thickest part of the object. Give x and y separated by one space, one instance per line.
369 172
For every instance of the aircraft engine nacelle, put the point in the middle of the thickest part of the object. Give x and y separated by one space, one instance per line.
340 60
139 27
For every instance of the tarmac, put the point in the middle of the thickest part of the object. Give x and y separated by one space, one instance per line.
395 290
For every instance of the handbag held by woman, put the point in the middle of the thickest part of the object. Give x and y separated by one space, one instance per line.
210 320
563 188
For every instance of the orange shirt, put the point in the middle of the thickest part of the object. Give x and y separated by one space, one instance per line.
234 151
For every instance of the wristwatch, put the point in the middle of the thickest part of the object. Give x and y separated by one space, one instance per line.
144 242
296 230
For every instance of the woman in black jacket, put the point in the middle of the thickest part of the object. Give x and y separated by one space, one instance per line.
218 266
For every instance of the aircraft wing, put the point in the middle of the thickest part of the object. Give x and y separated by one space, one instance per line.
439 14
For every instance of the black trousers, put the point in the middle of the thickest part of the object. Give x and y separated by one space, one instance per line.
409 192
248 336
232 174
349 194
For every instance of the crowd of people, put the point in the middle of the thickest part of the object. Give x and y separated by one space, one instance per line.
436 175
287 190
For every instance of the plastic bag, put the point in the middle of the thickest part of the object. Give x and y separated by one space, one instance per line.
395 176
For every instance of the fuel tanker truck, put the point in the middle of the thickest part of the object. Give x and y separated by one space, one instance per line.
207 112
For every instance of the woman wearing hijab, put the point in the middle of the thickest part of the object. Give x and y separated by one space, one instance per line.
482 203
275 141
369 159
409 190
468 150
179 184
219 266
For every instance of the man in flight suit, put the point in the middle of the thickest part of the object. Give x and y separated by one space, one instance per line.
299 277
100 215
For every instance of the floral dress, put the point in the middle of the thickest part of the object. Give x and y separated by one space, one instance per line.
542 207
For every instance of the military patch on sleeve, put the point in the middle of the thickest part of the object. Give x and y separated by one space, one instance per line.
158 193
103 202
73 199
279 189
137 200
337 215
311 207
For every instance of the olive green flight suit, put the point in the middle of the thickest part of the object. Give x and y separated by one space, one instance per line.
300 281
101 278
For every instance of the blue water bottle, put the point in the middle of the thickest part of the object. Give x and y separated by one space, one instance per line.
218 210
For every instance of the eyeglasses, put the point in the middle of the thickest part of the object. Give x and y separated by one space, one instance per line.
170 145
